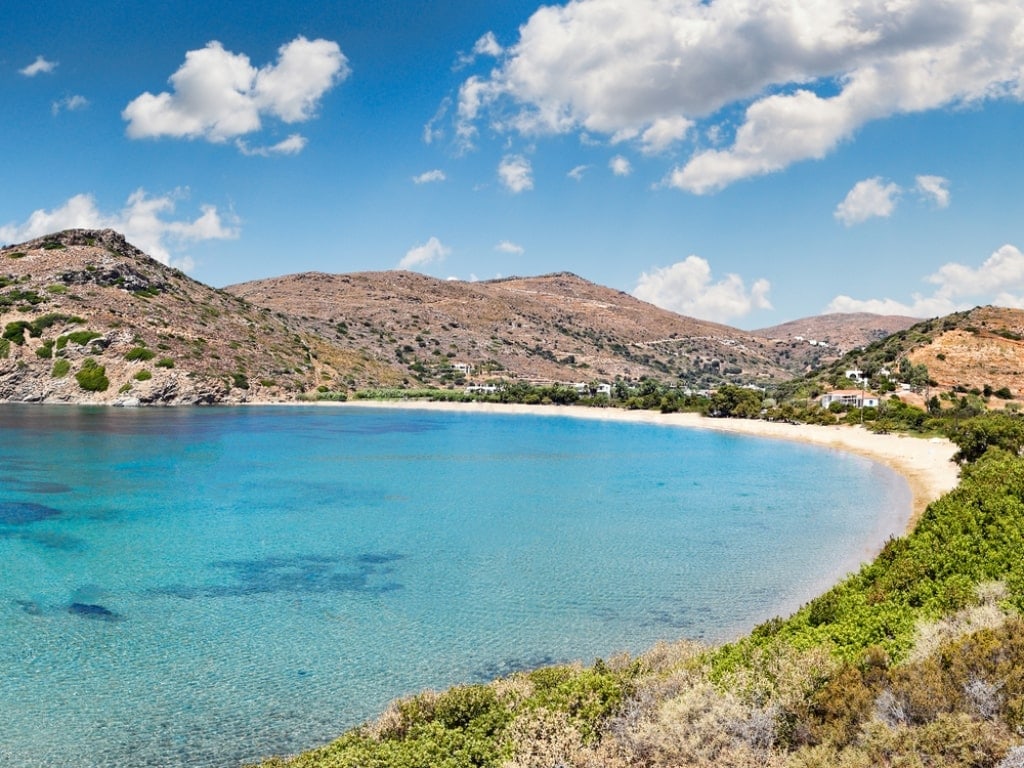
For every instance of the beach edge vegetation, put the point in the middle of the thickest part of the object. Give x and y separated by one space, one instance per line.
915 660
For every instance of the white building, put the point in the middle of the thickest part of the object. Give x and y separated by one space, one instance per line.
855 398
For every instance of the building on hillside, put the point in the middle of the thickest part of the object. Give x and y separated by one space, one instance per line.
854 398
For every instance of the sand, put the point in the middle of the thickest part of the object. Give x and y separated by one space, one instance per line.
925 463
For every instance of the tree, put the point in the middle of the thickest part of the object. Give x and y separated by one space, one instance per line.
976 435
739 402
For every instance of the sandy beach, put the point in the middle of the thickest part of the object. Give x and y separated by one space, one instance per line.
925 463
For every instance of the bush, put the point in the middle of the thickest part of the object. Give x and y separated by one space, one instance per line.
5 349
92 377
139 353
81 338
165 362
143 375
16 331
61 368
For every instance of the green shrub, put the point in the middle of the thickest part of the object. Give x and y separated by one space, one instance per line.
92 377
16 331
45 351
17 255
5 349
50 319
139 353
61 368
165 362
143 375
126 387
57 288
80 338
239 381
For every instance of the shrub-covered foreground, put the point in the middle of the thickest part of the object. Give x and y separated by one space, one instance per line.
917 661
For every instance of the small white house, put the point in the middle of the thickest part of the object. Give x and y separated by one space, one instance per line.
854 398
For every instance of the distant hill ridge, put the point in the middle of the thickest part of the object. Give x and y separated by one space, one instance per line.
78 301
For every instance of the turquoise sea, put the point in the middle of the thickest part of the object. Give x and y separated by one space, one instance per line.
203 587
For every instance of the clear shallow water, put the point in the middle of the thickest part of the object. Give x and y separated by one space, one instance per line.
185 588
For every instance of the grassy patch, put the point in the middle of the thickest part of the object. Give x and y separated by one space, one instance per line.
61 368
143 375
139 353
165 362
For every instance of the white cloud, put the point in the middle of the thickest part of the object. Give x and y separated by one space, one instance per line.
516 173
868 199
935 189
290 146
488 45
38 67
999 280
143 220
620 166
806 75
421 255
663 133
431 131
687 287
577 172
506 246
70 104
218 95
428 177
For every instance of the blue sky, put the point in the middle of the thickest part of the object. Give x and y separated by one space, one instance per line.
744 161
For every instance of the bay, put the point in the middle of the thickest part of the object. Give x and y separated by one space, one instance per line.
204 587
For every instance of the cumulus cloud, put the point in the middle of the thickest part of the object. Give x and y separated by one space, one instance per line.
38 67
144 220
934 189
516 173
428 177
218 95
804 76
620 166
998 280
69 104
688 287
290 146
421 255
506 246
868 199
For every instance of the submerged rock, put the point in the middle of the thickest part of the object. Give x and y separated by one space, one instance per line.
94 611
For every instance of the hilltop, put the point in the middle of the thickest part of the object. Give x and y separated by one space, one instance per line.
556 327
87 317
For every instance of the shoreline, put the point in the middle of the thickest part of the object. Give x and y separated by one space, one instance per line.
925 464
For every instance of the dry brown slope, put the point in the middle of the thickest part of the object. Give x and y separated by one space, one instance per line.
202 345
556 327
973 350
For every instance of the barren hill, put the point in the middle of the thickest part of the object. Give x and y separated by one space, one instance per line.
88 317
556 327
813 342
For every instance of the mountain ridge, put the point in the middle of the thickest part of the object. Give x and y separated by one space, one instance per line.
89 298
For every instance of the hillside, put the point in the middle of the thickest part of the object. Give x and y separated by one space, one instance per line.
556 327
979 352
87 317
813 342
